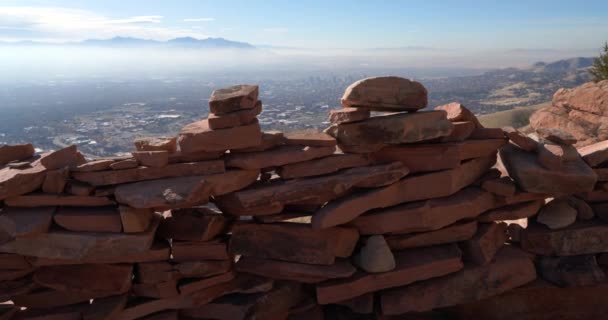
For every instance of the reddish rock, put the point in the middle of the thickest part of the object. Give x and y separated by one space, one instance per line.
555 157
458 112
93 219
12 275
105 308
580 111
594 196
576 177
17 152
311 138
462 131
557 136
299 272
421 157
233 98
168 144
386 94
66 157
124 164
513 212
426 186
348 115
487 134
15 182
135 220
24 222
277 157
149 307
203 269
197 250
51 299
201 284
50 200
13 262
196 224
453 233
470 149
510 269
95 165
78 188
198 136
97 247
155 272
575 271
519 139
539 300
318 167
96 279
480 249
377 132
155 159
67 312
289 216
584 237
583 209
314 246
412 265
270 140
595 154
502 186
227 206
520 197
234 119
324 188
103 178
179 157
363 304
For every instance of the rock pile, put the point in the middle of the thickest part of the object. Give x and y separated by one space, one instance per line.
403 215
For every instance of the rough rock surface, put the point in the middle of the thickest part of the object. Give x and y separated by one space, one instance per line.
386 94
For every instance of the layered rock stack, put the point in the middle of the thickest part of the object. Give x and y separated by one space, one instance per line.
406 214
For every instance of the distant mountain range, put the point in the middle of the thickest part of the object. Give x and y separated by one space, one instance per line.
566 65
188 42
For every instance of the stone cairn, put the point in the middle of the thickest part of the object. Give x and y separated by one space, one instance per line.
406 214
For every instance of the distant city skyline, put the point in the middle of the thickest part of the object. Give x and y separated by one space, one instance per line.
460 25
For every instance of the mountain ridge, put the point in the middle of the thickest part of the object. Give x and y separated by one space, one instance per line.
138 42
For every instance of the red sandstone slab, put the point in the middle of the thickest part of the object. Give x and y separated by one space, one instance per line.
50 200
425 186
154 159
299 272
539 300
503 186
105 308
197 250
66 245
234 119
13 262
71 312
202 269
426 215
156 144
196 224
519 197
15 182
519 139
513 212
573 271
233 98
421 157
66 157
270 139
51 299
95 279
201 284
595 154
450 234
155 272
396 128
276 241
156 290
310 138
277 157
148 307
412 265
135 220
458 112
470 149
487 133
78 188
55 181
12 275
198 136
324 188
348 115
530 176
103 178
326 165
24 222
92 219
17 152
510 269
124 164
181 157
462 131
583 237
480 249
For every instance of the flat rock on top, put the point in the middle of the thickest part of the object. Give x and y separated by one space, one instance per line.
595 154
458 112
556 136
386 94
10 153
233 98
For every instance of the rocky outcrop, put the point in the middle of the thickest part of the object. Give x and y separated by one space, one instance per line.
581 111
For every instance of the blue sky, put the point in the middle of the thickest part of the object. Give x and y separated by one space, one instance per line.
489 24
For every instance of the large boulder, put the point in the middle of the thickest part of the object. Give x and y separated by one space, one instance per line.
581 111
386 94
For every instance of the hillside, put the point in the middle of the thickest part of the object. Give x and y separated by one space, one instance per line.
517 117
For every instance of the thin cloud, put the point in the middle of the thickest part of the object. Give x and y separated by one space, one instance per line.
45 23
276 30
199 19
